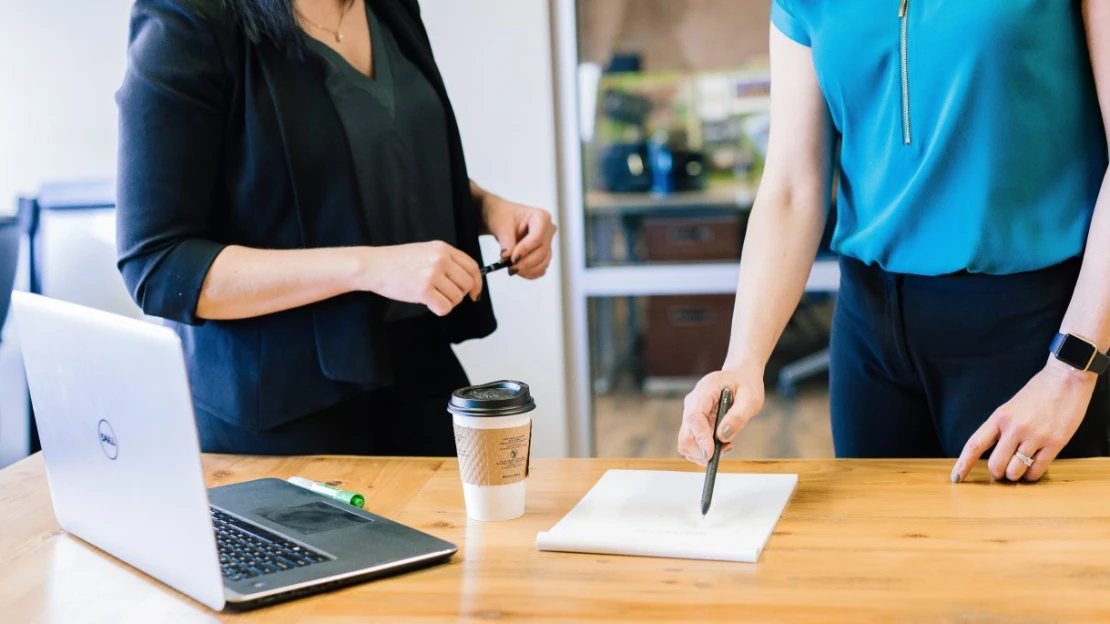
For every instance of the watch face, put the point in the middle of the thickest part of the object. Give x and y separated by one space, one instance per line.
1075 352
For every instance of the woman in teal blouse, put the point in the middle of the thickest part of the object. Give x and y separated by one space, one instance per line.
973 226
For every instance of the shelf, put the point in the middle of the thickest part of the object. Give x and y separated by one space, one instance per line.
688 279
725 197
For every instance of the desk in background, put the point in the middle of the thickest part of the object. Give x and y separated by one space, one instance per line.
861 541
608 213
682 243
616 222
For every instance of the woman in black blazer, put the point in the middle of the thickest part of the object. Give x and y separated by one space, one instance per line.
293 198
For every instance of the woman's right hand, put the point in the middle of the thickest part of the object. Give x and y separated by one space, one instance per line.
434 274
699 417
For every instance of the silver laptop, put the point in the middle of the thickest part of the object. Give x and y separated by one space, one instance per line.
119 439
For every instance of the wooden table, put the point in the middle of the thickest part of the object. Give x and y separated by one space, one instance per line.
862 541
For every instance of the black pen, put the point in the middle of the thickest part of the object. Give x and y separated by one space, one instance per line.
711 468
497 266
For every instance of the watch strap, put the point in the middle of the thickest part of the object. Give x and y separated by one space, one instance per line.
1100 363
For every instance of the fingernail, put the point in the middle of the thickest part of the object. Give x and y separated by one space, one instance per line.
726 433
513 271
504 252
729 450
955 476
516 259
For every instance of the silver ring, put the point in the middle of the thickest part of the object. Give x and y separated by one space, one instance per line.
1023 458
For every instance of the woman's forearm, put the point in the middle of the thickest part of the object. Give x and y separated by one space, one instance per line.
481 199
790 209
1088 314
245 282
779 249
478 193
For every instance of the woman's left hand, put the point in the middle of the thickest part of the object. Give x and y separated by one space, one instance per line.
1037 422
524 233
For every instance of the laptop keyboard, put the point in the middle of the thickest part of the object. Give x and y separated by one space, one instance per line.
248 551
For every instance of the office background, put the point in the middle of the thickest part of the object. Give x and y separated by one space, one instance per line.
635 306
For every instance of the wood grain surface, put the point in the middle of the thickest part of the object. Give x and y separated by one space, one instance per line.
861 541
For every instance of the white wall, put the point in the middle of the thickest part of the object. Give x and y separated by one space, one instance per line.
62 62
60 65
495 56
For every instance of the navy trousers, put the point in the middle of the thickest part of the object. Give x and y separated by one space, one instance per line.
918 363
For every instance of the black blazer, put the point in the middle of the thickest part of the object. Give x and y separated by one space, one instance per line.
224 141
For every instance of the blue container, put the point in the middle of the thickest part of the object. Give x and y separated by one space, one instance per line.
662 165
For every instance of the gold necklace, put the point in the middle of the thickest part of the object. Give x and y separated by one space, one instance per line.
338 32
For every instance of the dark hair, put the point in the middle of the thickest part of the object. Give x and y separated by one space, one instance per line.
266 19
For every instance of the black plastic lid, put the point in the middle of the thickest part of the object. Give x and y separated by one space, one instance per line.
500 398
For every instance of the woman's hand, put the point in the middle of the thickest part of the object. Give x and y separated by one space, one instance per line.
434 274
699 416
1046 413
1038 422
524 233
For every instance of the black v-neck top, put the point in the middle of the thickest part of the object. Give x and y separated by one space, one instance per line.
229 141
396 130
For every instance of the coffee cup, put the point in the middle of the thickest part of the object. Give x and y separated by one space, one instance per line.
493 438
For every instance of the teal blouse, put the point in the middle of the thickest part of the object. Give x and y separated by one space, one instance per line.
971 137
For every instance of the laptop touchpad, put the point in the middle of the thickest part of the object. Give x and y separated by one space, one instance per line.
311 518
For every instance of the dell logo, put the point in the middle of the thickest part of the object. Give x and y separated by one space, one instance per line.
107 439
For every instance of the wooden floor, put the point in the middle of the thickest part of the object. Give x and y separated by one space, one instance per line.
639 425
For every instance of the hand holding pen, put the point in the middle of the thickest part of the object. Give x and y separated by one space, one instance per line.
695 437
434 274
525 234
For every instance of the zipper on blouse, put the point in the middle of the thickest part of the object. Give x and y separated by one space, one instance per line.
903 15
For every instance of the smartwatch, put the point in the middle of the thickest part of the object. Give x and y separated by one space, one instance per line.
1079 354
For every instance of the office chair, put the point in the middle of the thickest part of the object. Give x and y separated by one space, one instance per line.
12 229
10 232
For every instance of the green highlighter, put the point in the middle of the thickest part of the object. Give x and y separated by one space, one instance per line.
343 496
